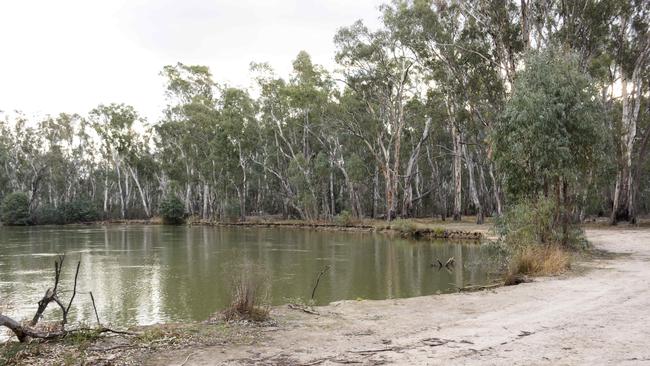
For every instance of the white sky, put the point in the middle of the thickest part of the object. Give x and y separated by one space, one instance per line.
71 55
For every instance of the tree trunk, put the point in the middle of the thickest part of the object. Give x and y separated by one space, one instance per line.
496 189
469 162
458 174
106 193
407 203
145 206
206 201
624 191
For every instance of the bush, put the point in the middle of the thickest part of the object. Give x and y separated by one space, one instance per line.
405 227
249 293
47 215
15 209
77 211
532 232
344 219
172 211
537 261
534 222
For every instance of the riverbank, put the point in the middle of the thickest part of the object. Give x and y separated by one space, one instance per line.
591 317
415 228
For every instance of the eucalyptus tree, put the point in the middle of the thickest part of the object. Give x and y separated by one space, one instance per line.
28 167
291 114
114 124
63 171
186 132
631 43
378 70
239 124
551 133
456 57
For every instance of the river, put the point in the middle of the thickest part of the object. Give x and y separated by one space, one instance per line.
142 274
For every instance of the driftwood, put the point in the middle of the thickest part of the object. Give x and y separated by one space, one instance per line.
479 287
450 262
306 309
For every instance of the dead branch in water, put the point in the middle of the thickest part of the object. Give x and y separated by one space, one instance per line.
321 274
26 331
450 262
92 298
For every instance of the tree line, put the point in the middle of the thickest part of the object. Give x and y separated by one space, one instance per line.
450 108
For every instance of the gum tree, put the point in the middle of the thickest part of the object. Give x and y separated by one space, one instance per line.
551 133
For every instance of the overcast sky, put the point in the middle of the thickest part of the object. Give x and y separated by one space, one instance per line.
71 55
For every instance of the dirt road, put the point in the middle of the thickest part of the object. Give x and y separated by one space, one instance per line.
596 317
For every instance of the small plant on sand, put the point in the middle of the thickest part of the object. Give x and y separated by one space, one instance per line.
248 297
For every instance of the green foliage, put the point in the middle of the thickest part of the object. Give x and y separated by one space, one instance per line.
439 232
552 128
532 222
172 210
15 209
78 211
344 218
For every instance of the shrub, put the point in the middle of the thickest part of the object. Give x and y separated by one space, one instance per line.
47 215
15 209
249 293
77 211
405 227
172 211
344 219
544 260
531 230
534 222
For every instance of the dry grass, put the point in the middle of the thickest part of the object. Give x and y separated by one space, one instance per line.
248 299
537 261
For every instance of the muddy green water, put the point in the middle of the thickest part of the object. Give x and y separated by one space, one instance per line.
150 274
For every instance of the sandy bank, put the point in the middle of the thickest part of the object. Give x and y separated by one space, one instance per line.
601 316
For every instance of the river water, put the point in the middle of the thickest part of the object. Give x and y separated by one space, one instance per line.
149 274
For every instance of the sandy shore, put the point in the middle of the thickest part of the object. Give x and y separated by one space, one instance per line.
600 315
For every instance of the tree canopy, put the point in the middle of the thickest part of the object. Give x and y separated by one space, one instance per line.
448 108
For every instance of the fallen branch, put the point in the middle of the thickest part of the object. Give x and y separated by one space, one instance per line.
306 309
479 287
23 333
26 331
450 262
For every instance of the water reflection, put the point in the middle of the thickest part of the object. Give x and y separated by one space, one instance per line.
149 274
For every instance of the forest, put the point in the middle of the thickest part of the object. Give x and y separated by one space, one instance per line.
450 108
